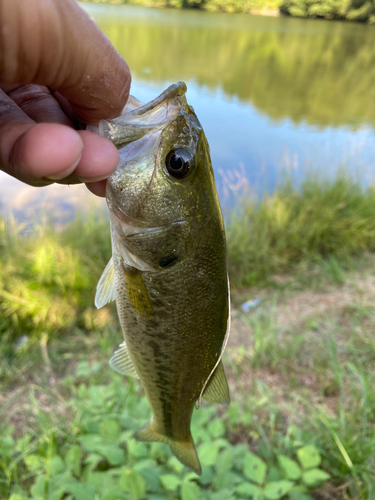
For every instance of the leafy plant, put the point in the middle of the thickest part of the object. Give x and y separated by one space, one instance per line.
286 480
94 454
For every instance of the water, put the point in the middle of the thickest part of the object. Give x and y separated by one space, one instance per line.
275 95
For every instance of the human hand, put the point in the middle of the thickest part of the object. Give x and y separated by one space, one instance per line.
56 64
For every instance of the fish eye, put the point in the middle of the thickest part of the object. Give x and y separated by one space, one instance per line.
178 163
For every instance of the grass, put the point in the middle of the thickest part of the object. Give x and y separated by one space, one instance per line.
325 224
67 425
301 422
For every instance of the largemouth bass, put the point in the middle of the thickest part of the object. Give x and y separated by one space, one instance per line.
168 269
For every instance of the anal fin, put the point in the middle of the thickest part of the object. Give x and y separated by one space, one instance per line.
122 363
217 390
184 451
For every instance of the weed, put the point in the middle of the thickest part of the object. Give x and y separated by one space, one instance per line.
325 223
92 452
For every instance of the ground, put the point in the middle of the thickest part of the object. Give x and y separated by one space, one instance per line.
302 361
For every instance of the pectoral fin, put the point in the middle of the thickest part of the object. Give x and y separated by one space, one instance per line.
106 289
132 260
121 362
217 390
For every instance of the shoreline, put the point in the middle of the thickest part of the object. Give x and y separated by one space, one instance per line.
275 8
263 10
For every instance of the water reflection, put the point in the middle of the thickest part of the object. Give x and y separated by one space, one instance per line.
242 139
31 205
316 71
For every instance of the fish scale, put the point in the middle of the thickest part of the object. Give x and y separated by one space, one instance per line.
168 269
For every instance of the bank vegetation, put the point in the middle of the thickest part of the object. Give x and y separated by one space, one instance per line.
349 10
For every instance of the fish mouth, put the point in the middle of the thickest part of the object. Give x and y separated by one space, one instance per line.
143 119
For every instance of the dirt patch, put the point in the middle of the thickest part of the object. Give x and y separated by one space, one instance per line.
296 310
296 382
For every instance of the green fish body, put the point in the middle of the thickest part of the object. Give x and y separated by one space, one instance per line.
168 269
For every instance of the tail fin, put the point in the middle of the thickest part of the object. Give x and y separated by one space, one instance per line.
183 450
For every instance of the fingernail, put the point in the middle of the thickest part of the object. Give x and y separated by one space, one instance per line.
67 172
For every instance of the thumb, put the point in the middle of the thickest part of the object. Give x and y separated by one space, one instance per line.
55 43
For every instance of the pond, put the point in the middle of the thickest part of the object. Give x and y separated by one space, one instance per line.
275 95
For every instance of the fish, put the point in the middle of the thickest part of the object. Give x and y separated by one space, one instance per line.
168 272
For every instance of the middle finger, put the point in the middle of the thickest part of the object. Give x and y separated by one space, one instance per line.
37 102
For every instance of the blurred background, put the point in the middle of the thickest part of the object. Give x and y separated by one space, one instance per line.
287 104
